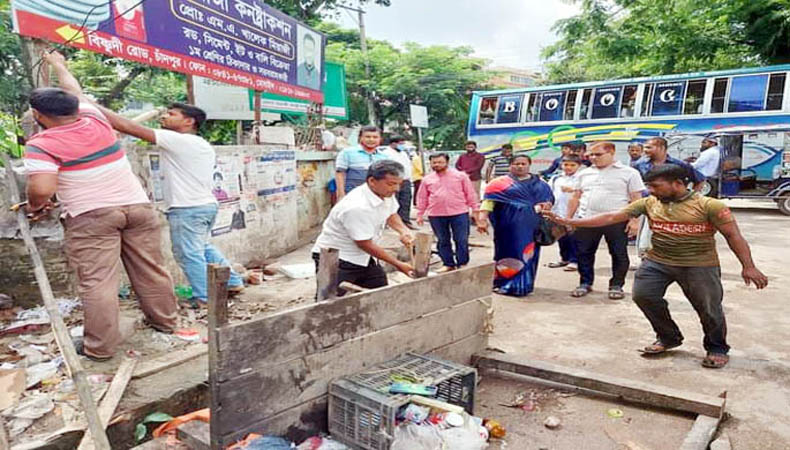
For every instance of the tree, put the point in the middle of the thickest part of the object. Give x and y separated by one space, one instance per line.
624 38
439 77
312 11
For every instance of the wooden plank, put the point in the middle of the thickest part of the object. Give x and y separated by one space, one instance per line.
422 254
111 398
701 433
195 434
291 334
635 391
351 287
169 360
266 392
62 336
327 276
217 317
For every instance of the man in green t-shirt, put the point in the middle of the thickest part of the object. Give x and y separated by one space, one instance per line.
684 251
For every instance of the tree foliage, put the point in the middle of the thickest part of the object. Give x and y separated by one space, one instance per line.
439 77
623 38
312 11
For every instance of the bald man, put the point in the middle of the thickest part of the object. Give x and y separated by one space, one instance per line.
608 185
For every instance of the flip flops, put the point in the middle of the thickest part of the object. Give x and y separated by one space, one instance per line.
715 360
658 347
581 291
555 265
616 293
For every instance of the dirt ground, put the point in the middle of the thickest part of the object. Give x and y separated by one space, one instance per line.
593 333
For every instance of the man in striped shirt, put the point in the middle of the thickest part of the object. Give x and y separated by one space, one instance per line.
500 165
107 217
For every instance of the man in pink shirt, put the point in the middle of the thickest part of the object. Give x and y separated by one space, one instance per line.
447 195
107 217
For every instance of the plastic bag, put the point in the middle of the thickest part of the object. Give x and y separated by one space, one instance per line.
322 443
463 438
417 437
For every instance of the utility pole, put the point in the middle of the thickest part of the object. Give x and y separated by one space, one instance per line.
364 46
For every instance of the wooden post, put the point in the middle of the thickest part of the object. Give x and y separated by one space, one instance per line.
190 90
422 254
257 123
111 398
327 277
62 336
217 317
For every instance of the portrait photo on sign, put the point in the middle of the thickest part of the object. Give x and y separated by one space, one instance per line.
308 56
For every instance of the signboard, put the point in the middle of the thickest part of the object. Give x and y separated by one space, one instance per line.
240 42
419 116
226 102
668 99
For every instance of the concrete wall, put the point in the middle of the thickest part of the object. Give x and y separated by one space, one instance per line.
282 199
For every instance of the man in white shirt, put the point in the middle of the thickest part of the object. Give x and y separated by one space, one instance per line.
397 151
357 221
708 161
187 167
606 186
562 185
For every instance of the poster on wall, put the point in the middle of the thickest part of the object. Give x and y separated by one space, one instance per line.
241 42
224 221
227 179
154 164
276 174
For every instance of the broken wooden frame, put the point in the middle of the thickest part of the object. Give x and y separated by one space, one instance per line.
271 375
710 409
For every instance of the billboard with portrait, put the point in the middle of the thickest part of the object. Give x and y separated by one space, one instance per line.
240 42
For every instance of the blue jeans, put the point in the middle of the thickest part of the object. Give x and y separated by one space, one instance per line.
456 228
190 228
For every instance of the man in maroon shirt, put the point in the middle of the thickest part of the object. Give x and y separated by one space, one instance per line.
472 164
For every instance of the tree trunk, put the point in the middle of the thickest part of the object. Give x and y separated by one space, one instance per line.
117 91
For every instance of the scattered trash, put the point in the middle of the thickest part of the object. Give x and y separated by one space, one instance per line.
188 334
32 407
77 332
140 430
552 422
30 354
18 426
183 291
495 429
615 413
414 414
40 372
12 383
43 339
416 437
98 378
125 292
306 270
133 353
322 443
258 442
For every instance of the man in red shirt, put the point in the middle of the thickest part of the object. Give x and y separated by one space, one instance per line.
472 164
107 217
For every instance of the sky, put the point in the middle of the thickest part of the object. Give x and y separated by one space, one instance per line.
508 32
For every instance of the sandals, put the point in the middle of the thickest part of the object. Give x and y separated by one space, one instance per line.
581 291
715 360
658 347
572 267
616 293
555 265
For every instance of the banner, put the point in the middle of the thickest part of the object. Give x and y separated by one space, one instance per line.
552 106
222 101
668 99
240 42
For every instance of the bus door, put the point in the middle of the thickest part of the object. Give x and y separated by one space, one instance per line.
734 179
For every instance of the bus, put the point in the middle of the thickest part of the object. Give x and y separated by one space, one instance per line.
683 108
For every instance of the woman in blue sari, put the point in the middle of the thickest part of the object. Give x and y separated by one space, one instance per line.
510 203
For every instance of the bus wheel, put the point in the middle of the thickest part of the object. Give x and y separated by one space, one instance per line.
784 204
708 188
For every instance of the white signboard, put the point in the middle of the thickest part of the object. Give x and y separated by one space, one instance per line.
223 101
419 116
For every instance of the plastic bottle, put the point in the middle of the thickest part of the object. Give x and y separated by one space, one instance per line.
495 429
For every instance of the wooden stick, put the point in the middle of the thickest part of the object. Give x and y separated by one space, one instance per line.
351 287
635 391
701 433
59 329
111 399
422 254
217 317
327 276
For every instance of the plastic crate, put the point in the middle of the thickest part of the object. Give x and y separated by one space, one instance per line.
362 411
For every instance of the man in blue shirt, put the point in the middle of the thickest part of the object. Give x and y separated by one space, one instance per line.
656 153
351 164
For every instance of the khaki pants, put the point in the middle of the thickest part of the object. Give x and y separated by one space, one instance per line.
96 244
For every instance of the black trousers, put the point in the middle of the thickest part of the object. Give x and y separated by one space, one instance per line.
617 241
370 277
404 202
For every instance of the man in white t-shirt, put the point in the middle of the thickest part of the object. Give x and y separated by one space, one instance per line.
708 161
187 167
356 223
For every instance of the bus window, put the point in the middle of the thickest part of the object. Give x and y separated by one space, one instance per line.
628 109
776 88
668 98
646 100
533 107
747 93
607 101
584 108
570 105
487 111
551 106
509 109
695 97
719 95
